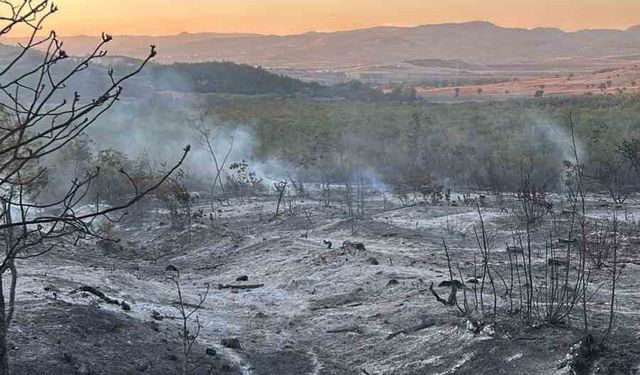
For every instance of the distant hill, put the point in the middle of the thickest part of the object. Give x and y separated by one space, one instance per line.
200 78
232 78
472 42
225 77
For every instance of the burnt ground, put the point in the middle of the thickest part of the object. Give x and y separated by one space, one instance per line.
56 337
308 309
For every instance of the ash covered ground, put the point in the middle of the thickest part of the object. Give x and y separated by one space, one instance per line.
282 302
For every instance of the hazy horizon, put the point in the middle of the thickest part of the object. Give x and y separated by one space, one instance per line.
288 17
240 32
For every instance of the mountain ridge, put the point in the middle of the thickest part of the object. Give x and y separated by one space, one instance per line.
475 42
465 23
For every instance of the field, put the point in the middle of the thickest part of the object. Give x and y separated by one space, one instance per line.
606 81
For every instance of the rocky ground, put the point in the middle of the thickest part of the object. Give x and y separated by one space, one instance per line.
281 302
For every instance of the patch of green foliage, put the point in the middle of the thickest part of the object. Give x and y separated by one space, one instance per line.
481 145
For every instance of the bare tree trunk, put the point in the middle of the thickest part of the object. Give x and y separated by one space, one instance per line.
219 165
4 317
25 139
281 189
4 353
582 201
614 276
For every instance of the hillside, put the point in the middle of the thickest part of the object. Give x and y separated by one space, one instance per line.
472 42
232 78
225 77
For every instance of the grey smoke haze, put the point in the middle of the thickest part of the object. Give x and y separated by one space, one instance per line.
147 121
158 124
138 128
549 141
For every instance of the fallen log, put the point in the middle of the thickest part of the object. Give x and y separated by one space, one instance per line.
451 283
208 268
229 286
426 323
89 289
353 329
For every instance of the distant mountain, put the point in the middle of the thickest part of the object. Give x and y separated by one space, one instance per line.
232 78
138 46
195 78
223 77
472 42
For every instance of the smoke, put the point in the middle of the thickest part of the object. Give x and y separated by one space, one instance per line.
546 147
545 136
158 124
159 127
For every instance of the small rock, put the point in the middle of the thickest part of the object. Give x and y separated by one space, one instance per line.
231 343
393 282
471 327
242 278
171 268
353 246
156 315
489 330
476 326
373 261
51 288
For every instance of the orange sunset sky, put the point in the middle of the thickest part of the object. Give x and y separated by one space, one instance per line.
160 17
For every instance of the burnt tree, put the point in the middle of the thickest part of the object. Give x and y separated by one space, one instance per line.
40 116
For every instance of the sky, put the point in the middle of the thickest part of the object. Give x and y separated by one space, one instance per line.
163 17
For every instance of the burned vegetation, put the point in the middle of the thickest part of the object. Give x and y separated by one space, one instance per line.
426 249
